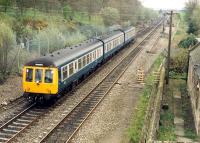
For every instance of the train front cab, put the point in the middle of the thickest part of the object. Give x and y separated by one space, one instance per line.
40 82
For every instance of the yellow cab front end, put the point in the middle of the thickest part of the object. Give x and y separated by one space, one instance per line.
40 80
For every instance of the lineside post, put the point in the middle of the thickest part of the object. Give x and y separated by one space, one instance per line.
169 48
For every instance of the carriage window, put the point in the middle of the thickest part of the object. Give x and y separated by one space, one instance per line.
99 52
84 61
79 64
94 55
71 69
65 72
48 76
88 59
38 75
76 65
122 39
110 46
29 75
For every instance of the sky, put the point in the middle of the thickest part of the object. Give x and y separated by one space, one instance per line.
164 4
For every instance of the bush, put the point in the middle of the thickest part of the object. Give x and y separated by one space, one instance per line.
179 62
188 42
192 28
110 15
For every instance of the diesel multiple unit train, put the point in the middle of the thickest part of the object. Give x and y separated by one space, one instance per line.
49 76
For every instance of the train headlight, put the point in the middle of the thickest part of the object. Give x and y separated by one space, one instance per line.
38 82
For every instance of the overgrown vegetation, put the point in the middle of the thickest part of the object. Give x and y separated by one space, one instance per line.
189 133
188 42
182 42
137 124
184 39
179 61
166 131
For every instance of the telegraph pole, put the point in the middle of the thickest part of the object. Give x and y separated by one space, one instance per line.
169 48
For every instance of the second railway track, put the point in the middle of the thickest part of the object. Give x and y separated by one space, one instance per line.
17 124
70 123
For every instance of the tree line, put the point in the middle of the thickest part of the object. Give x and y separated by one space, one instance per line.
131 10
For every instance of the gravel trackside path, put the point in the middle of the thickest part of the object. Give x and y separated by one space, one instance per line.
10 90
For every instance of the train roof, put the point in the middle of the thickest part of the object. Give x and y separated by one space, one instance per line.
111 36
62 56
129 29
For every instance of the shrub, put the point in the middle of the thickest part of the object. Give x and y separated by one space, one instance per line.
179 62
188 42
192 28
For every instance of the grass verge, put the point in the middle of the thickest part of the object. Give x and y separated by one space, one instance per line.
166 131
135 131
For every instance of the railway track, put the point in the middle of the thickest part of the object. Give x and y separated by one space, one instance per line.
18 123
71 123
12 109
